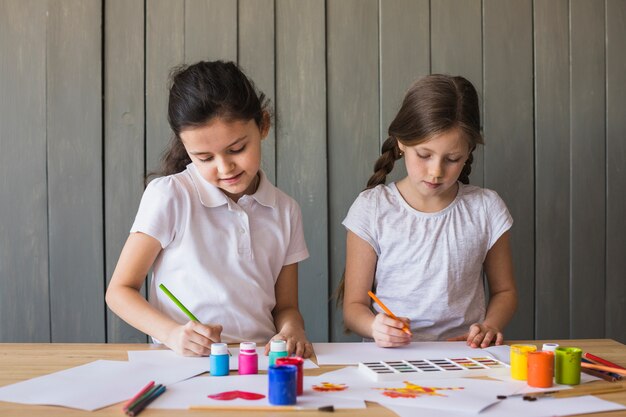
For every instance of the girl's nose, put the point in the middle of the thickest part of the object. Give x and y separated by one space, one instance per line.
436 170
224 165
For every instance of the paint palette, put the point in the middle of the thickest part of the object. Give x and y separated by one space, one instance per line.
434 368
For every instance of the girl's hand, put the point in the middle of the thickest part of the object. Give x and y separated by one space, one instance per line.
387 332
194 338
297 343
481 335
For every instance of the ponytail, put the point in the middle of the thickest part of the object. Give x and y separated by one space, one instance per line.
467 169
390 153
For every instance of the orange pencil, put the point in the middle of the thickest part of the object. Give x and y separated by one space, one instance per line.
603 368
405 328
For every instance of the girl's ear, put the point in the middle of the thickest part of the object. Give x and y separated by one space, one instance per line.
265 125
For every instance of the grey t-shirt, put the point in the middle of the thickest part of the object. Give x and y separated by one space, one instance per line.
430 264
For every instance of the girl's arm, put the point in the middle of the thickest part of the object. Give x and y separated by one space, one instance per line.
357 314
124 298
287 317
498 266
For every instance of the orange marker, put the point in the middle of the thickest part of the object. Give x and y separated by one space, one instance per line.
405 328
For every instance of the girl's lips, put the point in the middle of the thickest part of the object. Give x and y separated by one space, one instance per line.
432 185
232 180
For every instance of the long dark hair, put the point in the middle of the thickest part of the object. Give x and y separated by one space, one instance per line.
202 91
434 104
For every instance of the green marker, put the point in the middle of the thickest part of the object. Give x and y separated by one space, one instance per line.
178 303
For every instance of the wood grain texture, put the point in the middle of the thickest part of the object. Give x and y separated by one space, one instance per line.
24 361
508 125
24 293
588 168
552 167
75 198
301 145
353 121
616 173
124 137
210 30
164 50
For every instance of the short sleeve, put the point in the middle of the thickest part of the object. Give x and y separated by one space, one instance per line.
361 218
158 212
500 219
297 250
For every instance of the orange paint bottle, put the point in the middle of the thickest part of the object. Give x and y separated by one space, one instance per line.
540 369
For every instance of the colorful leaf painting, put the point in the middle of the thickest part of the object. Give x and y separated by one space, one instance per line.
411 390
327 386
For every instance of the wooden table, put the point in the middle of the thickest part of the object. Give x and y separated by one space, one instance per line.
21 361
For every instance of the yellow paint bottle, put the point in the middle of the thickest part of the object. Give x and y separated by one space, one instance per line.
519 361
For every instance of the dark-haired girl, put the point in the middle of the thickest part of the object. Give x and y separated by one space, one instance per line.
422 243
214 230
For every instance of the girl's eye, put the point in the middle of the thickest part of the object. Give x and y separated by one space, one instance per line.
423 156
454 160
238 150
207 159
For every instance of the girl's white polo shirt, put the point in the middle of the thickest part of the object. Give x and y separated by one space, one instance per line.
221 259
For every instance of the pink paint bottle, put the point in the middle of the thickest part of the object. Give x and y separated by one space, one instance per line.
248 359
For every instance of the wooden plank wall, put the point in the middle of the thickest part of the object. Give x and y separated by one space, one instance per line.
83 98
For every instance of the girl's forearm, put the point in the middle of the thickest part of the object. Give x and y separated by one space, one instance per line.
288 319
501 308
134 309
358 318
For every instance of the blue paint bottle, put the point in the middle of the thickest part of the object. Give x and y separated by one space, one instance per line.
282 386
278 349
219 359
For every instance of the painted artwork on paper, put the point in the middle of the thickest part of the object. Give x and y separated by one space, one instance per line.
233 395
329 387
411 390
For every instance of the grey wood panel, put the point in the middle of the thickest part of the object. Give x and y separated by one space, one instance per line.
404 57
165 46
210 30
588 168
353 121
74 118
456 49
301 145
24 301
552 165
256 56
616 175
508 104
123 138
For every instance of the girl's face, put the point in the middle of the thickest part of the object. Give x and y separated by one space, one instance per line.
433 167
226 153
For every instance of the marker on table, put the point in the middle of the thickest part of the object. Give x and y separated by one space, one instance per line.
178 303
405 328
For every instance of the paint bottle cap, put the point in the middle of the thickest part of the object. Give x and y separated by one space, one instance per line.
219 349
247 346
278 346
549 347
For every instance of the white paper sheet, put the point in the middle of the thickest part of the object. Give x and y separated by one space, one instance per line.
527 389
475 395
94 385
195 391
169 356
517 407
353 353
